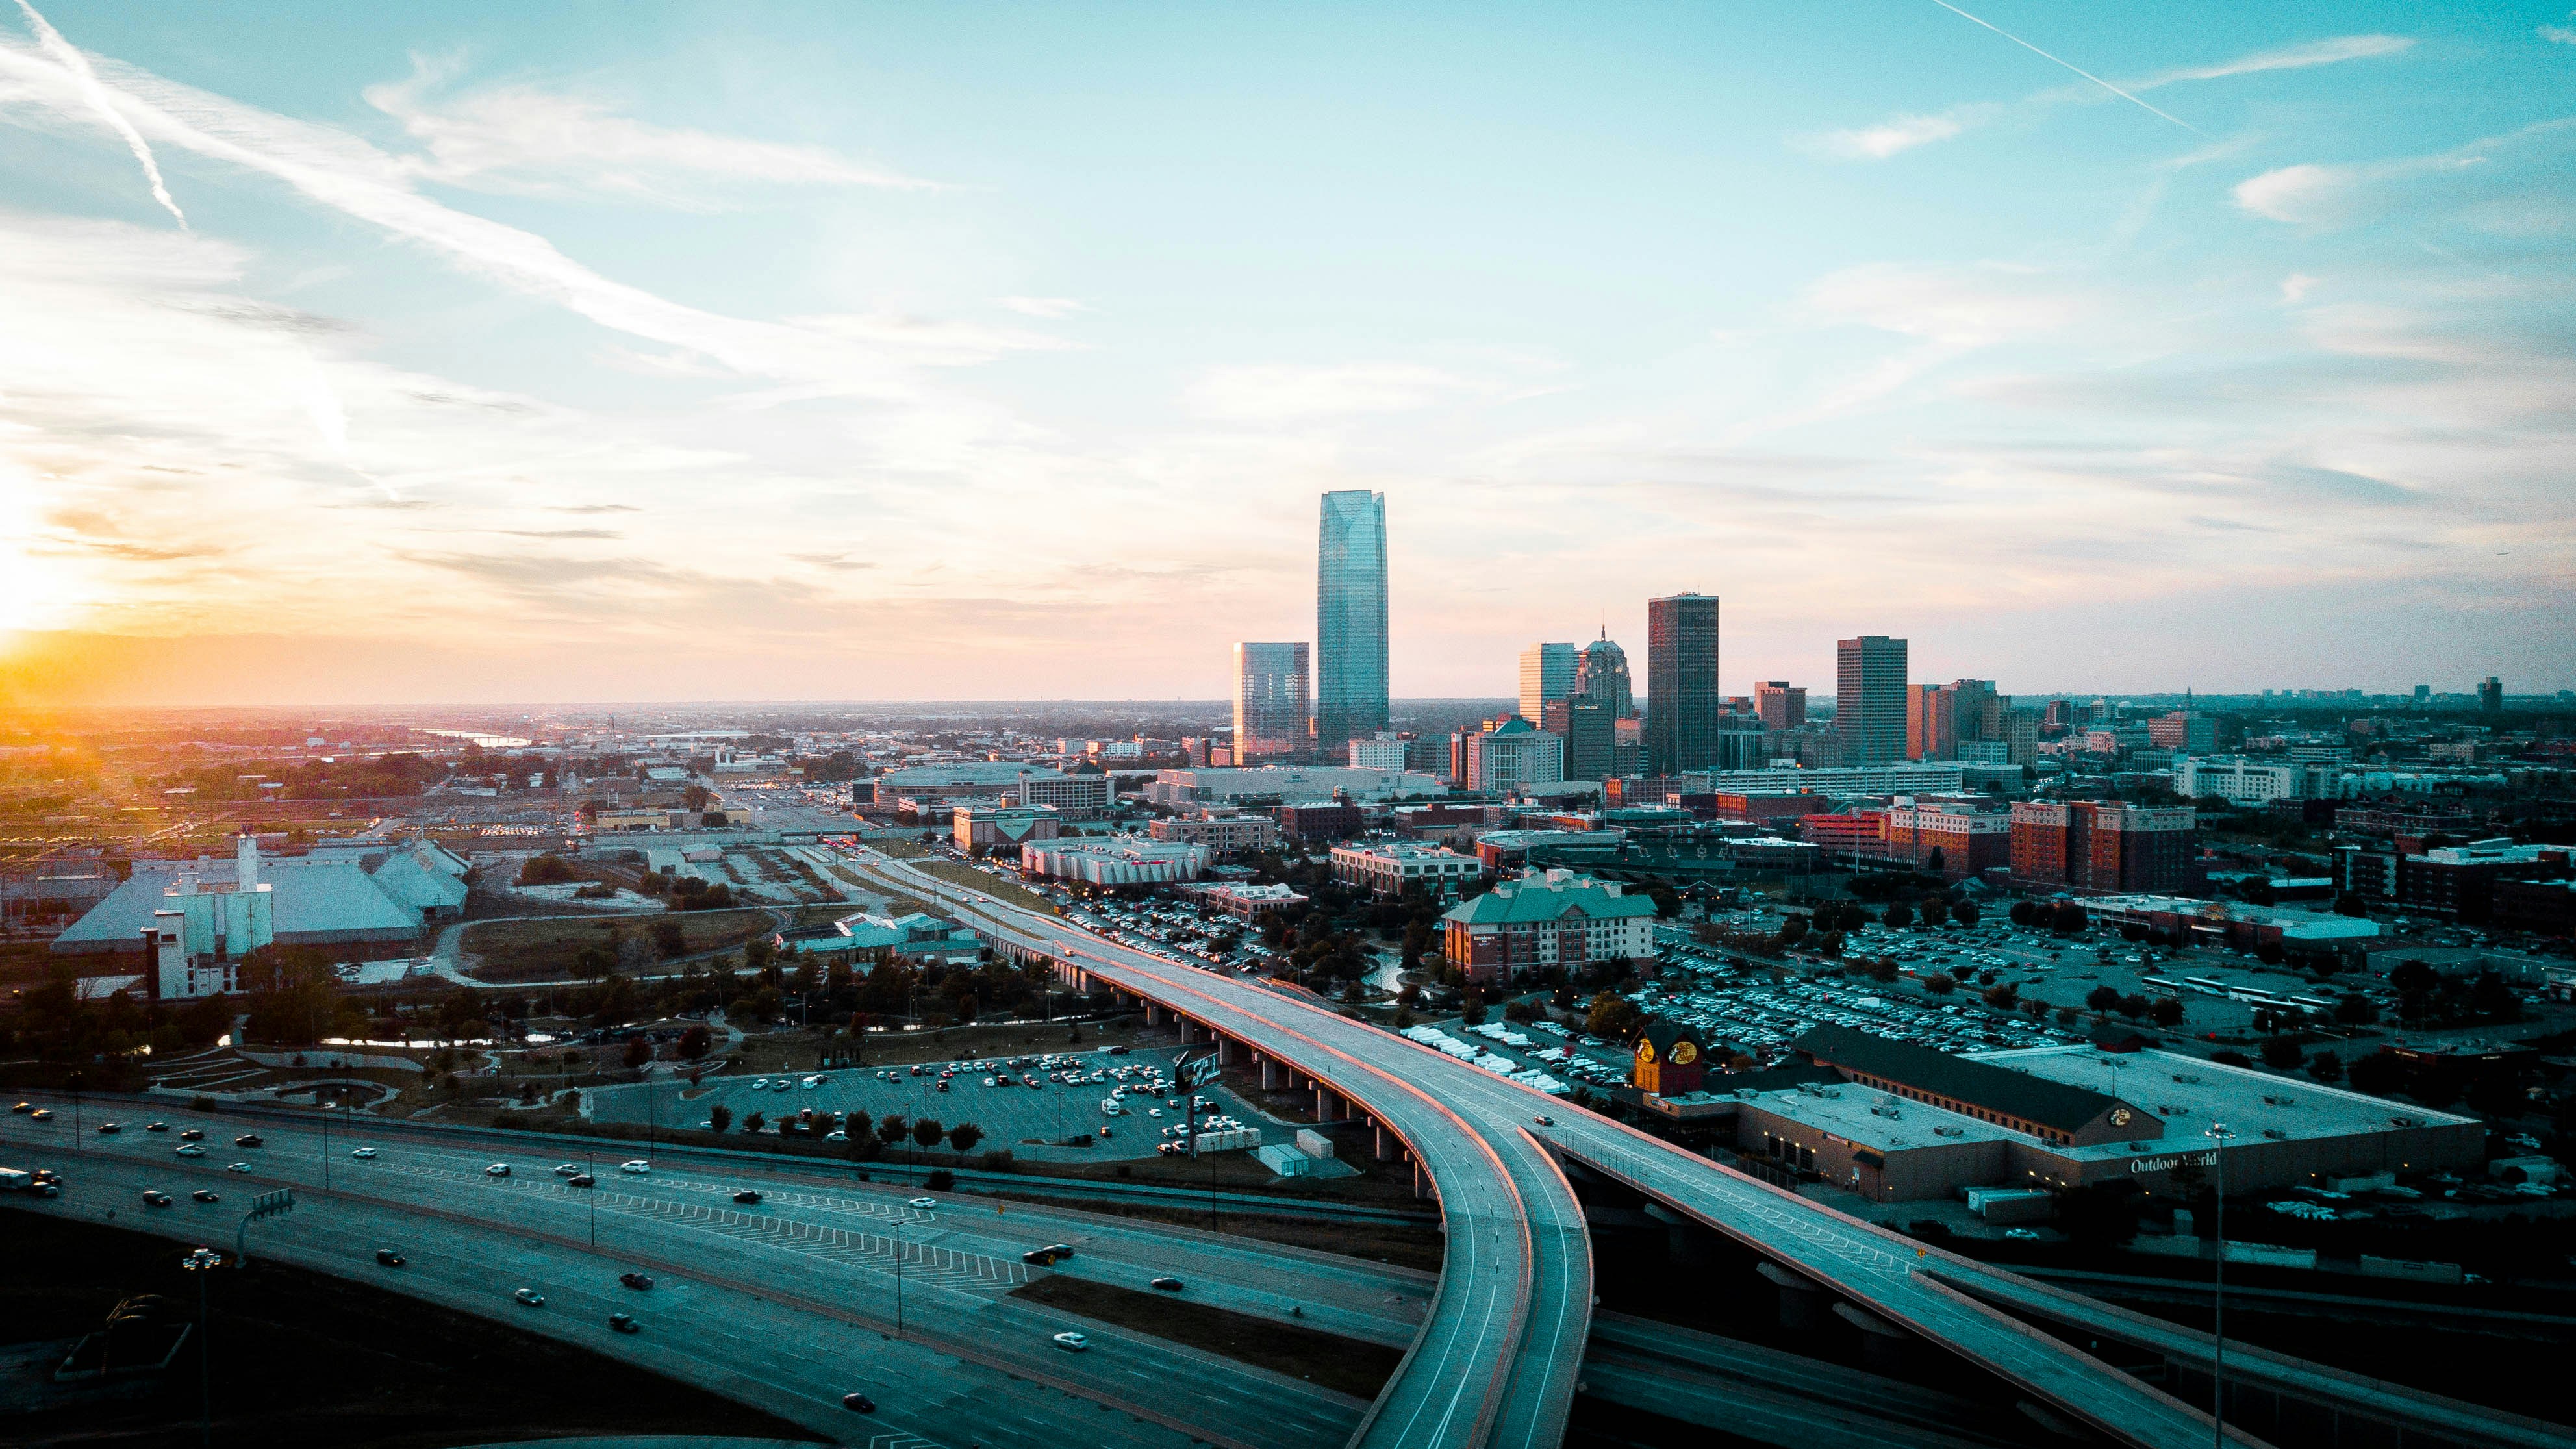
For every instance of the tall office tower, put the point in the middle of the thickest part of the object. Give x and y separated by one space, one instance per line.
1869 699
1931 723
1682 700
1547 672
1270 702
1591 735
1782 705
1602 672
1350 621
2491 694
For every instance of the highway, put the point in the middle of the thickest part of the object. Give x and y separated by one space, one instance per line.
1866 1264
788 1303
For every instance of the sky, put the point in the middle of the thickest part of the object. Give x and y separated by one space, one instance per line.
494 353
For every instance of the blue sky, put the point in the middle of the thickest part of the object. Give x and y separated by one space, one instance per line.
840 351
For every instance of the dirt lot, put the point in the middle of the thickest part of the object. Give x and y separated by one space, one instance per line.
304 1361
1351 1365
507 951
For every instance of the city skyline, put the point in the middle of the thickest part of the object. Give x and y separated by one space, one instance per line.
480 357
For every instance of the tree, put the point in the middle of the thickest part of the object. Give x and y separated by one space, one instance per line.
2034 1008
2134 1007
2378 1074
1475 1012
754 1122
2349 904
2102 998
2356 1009
927 1131
964 1136
861 1128
1900 915
1613 1017
1940 983
2167 1011
2326 1067
1793 930
2281 1053
720 1117
1934 908
670 940
1965 913
695 797
2020 913
2004 997
892 1129
638 1052
1937 862
694 1042
2231 1059
2067 919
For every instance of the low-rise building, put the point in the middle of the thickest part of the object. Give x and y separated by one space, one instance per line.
1081 795
2229 923
1248 902
1386 868
1555 919
2094 845
1222 829
1951 836
924 784
1121 860
984 824
1320 820
1280 784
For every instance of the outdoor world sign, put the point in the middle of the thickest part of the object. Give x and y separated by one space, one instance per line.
2168 1164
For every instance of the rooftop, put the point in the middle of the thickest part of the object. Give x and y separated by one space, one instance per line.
1549 897
2062 1105
2191 1094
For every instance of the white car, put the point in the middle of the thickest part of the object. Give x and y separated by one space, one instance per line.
812 1082
363 1154
191 1149
925 1203
637 1165
1072 1342
567 1169
498 1169
236 1167
760 1084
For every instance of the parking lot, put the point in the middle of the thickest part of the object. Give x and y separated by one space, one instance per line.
1053 1110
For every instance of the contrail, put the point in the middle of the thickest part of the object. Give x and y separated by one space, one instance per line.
51 41
2035 50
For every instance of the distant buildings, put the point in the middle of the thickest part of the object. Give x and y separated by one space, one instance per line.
936 783
2491 694
982 825
1591 735
342 894
1869 699
1082 794
1386 869
1954 837
1274 784
1682 696
1547 674
1350 622
1781 705
1385 750
1601 672
2187 732
2241 781
1888 779
1551 920
1319 820
1222 829
1509 753
2102 846
1272 710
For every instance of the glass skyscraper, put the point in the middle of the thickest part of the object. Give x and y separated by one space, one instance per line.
1869 699
1269 702
1682 702
1350 621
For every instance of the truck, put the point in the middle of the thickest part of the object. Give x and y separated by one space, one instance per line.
1109 1107
15 1179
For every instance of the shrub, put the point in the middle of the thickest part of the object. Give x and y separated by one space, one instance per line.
720 1117
940 1180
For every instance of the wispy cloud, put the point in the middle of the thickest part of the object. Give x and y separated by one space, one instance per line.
2068 64
2560 34
2523 173
521 138
1896 134
1047 307
103 105
1290 392
2332 51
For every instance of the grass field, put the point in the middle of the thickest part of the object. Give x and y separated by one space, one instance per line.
1353 1366
540 950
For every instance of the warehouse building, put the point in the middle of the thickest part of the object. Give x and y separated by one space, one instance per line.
1121 860
338 895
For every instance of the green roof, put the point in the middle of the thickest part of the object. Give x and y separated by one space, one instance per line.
1526 900
1997 1089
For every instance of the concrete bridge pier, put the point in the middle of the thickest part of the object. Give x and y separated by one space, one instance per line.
1684 1247
1226 1051
1382 1142
1803 1305
1154 1013
1270 1075
1882 1344
1327 1103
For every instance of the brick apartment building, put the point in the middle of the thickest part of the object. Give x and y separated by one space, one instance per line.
2098 845
1957 837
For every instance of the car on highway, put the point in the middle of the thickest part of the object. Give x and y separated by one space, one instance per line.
23 1108
389 1257
1039 1256
746 1197
156 1199
188 1149
581 1179
156 1126
636 1165
498 1169
567 1169
109 1129
363 1154
531 1297
622 1322
250 1139
41 1114
2021 1235
1168 1285
193 1134
1072 1342
236 1167
205 1194
925 1203
636 1281
760 1084
1544 1120
858 1403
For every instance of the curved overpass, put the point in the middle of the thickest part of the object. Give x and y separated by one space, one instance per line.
1889 1280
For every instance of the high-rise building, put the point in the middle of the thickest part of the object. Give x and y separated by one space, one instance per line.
1931 723
1270 702
2101 846
1590 733
1782 705
2491 694
1350 621
1869 699
1547 672
1511 752
1602 673
1682 698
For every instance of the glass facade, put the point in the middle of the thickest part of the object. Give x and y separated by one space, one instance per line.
1270 702
1350 621
1682 702
1869 699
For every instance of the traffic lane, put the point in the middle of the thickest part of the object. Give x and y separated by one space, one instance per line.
1190 1387
1126 1250
718 1340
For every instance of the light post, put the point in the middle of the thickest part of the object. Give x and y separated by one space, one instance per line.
326 1140
898 1277
200 1262
2218 1135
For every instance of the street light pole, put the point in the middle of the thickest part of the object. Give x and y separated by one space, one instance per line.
2218 1135
199 1263
898 1277
326 1140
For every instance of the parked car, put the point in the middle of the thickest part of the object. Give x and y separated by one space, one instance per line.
925 1203
637 1281
531 1297
635 1165
389 1257
746 1197
858 1403
498 1169
622 1322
